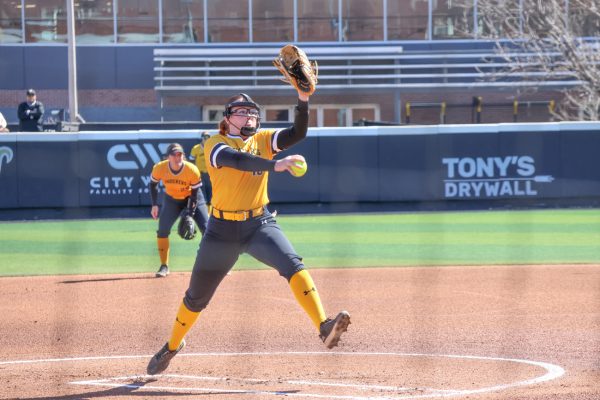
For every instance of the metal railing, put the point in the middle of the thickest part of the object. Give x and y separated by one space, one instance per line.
344 68
477 107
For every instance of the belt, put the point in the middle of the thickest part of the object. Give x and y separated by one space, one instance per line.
237 215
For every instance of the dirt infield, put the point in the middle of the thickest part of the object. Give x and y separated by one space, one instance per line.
503 332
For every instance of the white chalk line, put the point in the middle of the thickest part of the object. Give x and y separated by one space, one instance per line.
552 372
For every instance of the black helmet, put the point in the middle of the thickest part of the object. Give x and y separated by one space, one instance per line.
246 102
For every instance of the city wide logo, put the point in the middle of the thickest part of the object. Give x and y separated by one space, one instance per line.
6 154
134 156
485 177
127 159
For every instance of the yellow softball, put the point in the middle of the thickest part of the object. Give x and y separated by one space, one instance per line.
299 168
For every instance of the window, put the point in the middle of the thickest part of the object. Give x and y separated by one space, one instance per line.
94 22
318 20
45 21
212 113
228 21
334 116
277 113
537 18
137 21
362 20
583 23
363 113
183 21
273 20
11 30
345 115
320 114
452 19
493 21
407 20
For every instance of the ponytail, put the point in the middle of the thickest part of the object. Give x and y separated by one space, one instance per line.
223 127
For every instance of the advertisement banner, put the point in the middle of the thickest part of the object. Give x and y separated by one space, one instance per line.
115 169
503 165
409 167
109 174
579 163
392 164
8 171
47 170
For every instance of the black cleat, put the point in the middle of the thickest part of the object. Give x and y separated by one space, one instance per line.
163 271
331 329
160 361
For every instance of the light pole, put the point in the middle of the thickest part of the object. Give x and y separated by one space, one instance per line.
72 61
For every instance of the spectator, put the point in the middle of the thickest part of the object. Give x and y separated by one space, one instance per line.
3 127
31 113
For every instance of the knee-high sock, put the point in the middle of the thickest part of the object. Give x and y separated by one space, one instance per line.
307 296
183 323
163 250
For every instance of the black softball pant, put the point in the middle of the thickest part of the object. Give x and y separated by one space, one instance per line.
170 210
221 247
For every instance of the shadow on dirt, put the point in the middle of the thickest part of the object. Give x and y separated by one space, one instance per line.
131 390
124 278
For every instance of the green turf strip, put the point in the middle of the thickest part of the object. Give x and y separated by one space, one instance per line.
465 238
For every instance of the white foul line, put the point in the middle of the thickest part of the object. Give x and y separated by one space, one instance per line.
552 372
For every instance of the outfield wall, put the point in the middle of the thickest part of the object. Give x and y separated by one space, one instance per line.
468 163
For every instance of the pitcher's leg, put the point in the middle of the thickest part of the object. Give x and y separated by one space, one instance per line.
270 246
213 260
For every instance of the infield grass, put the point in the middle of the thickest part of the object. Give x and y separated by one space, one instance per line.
325 241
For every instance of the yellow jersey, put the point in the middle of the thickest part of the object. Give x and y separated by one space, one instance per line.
179 184
235 190
198 154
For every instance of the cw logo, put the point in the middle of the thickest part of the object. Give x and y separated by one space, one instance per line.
6 153
134 156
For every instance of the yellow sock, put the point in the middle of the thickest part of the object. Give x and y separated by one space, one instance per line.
183 323
163 250
307 296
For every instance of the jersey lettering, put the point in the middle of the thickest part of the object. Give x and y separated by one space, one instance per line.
177 185
235 190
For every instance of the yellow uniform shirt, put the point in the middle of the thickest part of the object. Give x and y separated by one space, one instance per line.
198 154
235 190
177 185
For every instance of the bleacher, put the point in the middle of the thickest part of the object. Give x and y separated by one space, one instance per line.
342 67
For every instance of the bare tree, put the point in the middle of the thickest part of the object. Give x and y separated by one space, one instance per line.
549 40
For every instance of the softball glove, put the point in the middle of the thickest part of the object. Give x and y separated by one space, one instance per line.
186 227
296 69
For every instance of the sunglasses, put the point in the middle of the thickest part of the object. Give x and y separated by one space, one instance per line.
246 113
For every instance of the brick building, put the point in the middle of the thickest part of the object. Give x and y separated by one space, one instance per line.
121 77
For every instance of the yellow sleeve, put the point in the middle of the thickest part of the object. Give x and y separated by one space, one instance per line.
156 172
211 148
193 175
267 137
195 151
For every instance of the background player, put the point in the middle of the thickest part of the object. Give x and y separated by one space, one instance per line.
239 160
181 180
197 155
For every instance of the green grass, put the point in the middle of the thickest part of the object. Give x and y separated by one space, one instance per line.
365 240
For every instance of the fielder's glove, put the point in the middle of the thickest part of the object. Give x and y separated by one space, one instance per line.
186 227
296 69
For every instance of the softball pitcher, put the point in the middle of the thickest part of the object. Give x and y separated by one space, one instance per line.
239 160
181 180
